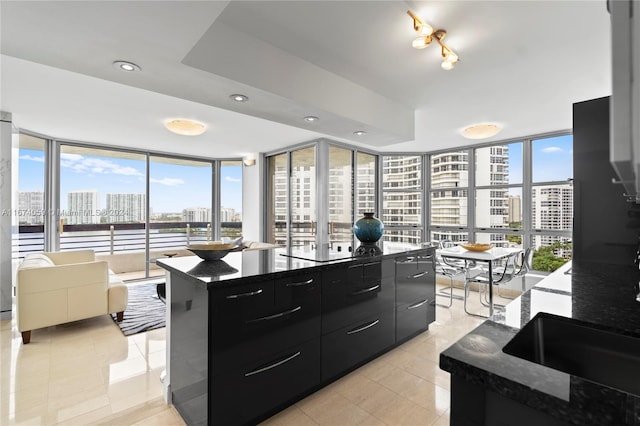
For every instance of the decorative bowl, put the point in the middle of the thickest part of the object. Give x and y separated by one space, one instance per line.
475 246
213 251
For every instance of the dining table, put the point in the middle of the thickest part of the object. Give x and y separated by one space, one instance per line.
487 256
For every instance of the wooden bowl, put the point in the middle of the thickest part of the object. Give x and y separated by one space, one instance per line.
475 246
213 251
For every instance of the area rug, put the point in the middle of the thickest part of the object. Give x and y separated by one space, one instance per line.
145 310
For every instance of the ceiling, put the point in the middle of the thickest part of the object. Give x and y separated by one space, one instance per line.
350 63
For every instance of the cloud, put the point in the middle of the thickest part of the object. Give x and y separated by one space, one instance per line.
551 149
232 179
168 181
81 164
31 158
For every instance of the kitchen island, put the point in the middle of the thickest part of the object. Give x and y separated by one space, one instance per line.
253 333
489 386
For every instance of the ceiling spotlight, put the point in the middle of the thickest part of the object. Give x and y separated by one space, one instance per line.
426 35
239 98
359 133
311 118
185 127
481 131
126 66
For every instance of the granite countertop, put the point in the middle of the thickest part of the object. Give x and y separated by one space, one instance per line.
242 267
595 293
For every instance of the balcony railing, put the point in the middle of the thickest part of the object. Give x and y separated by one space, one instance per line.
120 237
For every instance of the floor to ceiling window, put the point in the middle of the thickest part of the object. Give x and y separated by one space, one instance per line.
402 195
31 214
498 195
231 199
299 206
102 200
340 197
449 196
552 201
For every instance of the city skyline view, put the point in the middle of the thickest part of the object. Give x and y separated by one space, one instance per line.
170 185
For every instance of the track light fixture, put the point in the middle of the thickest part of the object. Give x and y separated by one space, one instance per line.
426 34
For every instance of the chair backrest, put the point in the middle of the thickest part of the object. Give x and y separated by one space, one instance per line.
507 270
523 261
446 244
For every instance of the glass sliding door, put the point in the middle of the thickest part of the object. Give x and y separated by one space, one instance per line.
303 220
278 197
340 197
180 200
402 198
366 190
231 199
30 215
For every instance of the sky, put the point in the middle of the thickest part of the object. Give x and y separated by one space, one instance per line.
172 187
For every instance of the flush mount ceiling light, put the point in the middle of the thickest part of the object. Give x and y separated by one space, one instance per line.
239 98
426 34
185 127
481 131
311 118
359 133
126 66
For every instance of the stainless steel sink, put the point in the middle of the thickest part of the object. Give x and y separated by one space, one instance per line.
570 346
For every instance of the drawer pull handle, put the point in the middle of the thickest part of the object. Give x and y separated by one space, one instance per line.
407 260
307 282
417 305
419 274
248 294
365 290
364 327
274 365
274 316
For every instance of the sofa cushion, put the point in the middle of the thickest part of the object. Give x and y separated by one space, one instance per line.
36 260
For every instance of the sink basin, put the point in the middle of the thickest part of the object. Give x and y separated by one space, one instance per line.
581 350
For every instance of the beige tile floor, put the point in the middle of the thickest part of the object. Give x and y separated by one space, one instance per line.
87 372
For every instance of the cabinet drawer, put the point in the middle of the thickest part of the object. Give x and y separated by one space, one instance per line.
356 294
416 286
414 317
425 261
251 325
347 347
240 395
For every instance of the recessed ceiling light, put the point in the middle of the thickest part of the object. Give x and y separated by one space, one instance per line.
311 118
185 127
239 98
126 66
481 131
359 133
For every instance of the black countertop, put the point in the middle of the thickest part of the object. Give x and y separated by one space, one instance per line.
595 293
246 265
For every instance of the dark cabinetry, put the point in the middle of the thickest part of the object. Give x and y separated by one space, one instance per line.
415 293
243 351
358 318
263 333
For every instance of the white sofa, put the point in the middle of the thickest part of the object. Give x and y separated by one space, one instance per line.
58 287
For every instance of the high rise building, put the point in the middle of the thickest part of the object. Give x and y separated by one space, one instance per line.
515 209
82 207
228 215
31 207
125 207
552 209
402 196
196 214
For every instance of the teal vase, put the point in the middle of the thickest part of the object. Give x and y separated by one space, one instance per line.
368 229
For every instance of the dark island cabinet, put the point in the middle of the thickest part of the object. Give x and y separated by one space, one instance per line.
415 294
358 320
241 352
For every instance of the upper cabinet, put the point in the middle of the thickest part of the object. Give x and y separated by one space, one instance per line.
625 100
